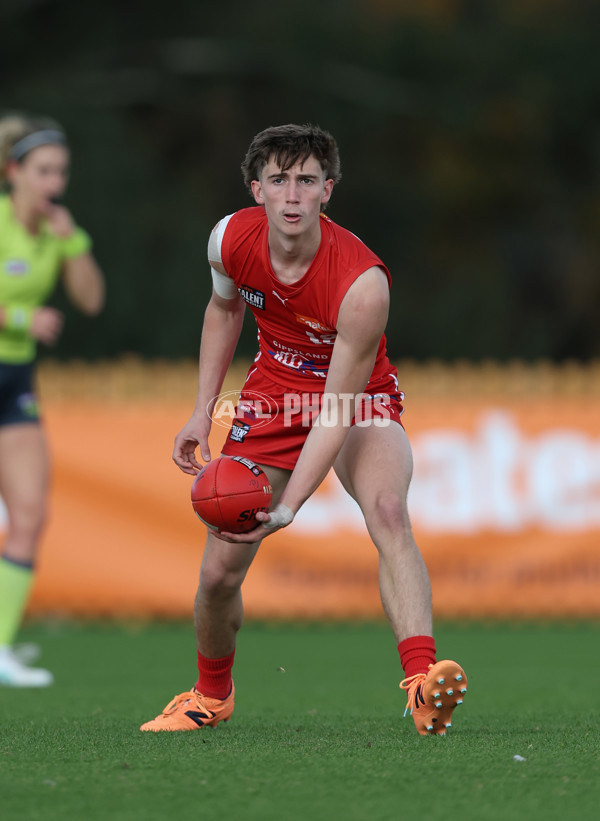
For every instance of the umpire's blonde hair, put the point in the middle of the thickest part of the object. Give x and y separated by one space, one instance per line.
15 126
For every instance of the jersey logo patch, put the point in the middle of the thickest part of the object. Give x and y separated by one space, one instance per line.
16 267
254 298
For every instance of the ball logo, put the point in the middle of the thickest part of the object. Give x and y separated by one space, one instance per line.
247 515
250 408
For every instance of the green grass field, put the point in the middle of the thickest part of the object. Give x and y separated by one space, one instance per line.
317 734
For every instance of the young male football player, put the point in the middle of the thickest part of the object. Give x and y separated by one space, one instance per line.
320 298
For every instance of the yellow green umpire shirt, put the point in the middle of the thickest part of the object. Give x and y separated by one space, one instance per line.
29 269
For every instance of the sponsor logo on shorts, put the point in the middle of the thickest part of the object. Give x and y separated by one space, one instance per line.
29 405
238 431
252 466
254 298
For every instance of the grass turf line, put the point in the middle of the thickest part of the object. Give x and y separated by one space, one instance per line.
317 731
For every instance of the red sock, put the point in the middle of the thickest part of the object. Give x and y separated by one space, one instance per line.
214 679
416 654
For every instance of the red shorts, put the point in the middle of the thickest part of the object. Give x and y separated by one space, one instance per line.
271 423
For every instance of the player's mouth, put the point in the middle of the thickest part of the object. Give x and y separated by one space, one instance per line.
292 217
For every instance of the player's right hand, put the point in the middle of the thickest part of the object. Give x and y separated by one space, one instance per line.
191 436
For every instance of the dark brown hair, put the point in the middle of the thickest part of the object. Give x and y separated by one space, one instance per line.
289 144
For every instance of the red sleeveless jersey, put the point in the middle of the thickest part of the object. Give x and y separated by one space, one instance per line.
297 323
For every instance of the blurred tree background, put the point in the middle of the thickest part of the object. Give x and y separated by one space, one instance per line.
469 134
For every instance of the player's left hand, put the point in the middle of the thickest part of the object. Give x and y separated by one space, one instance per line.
281 516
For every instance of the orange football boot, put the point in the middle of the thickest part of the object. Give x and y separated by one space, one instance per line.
192 711
432 696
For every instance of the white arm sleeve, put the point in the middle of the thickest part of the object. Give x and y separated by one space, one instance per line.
223 284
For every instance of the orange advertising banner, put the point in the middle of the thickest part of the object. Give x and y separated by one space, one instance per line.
505 504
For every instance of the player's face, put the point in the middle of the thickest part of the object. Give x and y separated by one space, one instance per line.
293 199
42 176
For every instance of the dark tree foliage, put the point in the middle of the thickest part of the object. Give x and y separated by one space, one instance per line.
469 134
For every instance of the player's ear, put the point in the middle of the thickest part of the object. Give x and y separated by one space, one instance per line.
327 191
257 192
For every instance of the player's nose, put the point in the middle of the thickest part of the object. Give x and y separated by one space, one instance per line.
293 192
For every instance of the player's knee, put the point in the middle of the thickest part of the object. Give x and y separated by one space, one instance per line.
219 582
390 512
